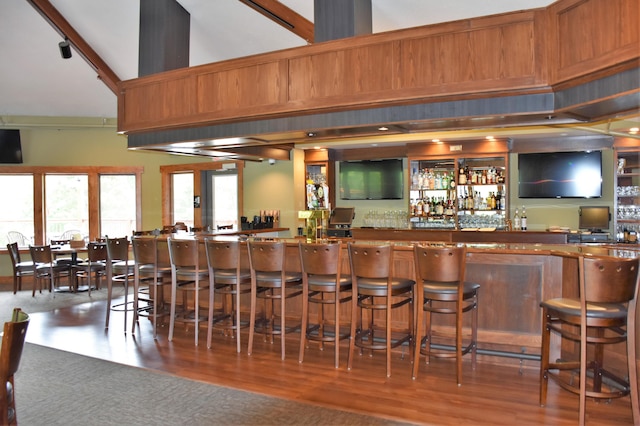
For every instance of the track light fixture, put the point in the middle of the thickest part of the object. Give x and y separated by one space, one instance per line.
65 49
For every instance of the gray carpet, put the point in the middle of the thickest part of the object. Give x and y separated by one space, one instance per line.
60 388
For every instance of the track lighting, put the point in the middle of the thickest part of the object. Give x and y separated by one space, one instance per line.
65 49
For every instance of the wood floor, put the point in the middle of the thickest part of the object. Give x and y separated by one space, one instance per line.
489 395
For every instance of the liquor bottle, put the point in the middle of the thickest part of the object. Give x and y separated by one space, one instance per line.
415 183
462 176
516 221
523 220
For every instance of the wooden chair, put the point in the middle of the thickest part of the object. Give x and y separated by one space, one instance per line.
13 338
442 289
119 270
153 269
20 268
47 269
228 278
604 313
324 285
271 282
373 278
189 271
94 268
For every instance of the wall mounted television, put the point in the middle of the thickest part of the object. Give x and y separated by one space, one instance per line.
594 218
573 174
10 147
371 179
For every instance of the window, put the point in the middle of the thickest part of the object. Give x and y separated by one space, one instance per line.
58 202
67 206
182 198
16 217
117 205
224 188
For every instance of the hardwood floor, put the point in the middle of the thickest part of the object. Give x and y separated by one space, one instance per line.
489 395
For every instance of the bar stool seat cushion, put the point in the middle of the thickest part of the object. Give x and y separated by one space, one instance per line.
270 278
318 282
378 286
147 270
229 276
445 288
571 308
189 273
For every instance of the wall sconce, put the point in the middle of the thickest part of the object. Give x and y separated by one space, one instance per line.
65 49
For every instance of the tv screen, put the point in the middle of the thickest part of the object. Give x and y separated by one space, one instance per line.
560 175
593 218
371 180
10 147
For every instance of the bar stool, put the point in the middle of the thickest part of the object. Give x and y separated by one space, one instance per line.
324 285
604 313
119 270
151 267
271 282
440 273
189 271
373 277
230 280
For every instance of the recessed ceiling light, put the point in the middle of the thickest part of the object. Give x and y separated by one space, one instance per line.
490 138
634 130
311 134
435 140
383 128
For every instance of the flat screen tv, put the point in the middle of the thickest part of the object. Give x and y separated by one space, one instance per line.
371 179
10 147
593 218
560 175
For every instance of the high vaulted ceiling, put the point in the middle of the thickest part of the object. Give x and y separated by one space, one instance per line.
36 82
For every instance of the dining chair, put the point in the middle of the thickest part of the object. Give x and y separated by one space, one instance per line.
324 286
20 268
19 238
13 339
603 313
228 279
442 289
189 275
47 269
94 268
375 289
273 284
120 271
153 269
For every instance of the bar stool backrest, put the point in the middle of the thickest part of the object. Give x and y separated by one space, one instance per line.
600 275
97 252
371 261
440 263
145 250
118 249
223 254
266 256
185 253
321 258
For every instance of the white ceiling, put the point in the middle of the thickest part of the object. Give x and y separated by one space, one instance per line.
36 81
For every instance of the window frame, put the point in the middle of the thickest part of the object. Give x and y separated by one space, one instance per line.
93 173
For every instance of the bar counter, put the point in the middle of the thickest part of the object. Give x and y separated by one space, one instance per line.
514 279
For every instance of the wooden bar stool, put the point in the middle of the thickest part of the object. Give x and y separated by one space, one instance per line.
324 285
372 279
604 313
153 269
440 273
189 274
271 283
230 280
119 270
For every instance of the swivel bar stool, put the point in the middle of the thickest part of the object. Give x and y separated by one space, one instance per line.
119 270
604 313
442 289
271 283
227 278
375 289
325 286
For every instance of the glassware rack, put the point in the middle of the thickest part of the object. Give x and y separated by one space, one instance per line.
627 206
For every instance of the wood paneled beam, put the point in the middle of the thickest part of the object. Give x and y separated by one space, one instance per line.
64 28
283 16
